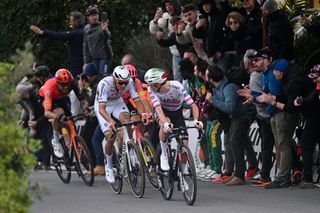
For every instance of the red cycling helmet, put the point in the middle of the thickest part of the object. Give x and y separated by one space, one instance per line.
132 70
63 76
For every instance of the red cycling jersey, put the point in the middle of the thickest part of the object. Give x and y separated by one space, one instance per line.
50 92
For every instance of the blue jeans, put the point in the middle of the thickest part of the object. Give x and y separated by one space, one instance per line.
104 65
175 68
97 145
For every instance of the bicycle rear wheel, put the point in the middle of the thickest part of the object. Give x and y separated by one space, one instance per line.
84 161
136 175
116 161
63 165
188 180
150 163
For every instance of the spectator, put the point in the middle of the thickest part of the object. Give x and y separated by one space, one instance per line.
262 118
280 35
210 28
92 133
283 121
310 104
74 39
161 28
184 34
309 26
225 98
97 41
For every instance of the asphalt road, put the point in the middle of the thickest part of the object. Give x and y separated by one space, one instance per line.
76 197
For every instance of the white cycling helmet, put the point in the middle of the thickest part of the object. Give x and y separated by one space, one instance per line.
155 76
120 73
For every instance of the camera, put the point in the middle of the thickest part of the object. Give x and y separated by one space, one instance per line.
104 17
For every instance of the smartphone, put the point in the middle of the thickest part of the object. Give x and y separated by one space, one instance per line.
255 93
104 17
159 9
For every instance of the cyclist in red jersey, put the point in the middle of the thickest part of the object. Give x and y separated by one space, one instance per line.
55 98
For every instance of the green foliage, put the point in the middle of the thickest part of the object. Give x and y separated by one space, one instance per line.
15 160
295 8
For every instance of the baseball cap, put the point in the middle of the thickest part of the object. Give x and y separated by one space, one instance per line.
281 65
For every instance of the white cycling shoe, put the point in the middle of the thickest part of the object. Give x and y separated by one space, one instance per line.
164 163
109 175
57 150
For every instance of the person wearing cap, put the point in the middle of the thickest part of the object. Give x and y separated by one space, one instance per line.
284 121
97 41
73 37
310 104
92 133
279 37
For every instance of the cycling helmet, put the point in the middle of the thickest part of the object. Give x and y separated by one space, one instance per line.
155 76
42 70
314 72
132 70
63 76
120 73
92 9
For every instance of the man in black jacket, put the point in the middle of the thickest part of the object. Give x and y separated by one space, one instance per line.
74 39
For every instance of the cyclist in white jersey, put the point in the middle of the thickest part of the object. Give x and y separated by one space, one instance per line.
109 103
167 98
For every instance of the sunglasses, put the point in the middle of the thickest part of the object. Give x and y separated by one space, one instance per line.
63 86
122 83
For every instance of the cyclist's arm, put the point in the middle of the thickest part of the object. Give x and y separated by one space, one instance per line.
195 111
142 96
156 105
103 112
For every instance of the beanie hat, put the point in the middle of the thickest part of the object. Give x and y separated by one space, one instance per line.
22 89
91 70
270 5
281 65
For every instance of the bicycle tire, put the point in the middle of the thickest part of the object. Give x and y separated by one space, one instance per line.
166 178
84 164
116 160
137 170
150 162
190 191
63 165
316 164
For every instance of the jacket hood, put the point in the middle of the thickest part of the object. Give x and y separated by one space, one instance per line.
176 5
202 2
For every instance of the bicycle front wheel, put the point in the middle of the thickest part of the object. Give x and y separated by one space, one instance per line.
84 161
187 174
135 170
63 165
150 163
116 161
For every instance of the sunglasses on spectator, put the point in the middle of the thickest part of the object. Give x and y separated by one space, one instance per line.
122 83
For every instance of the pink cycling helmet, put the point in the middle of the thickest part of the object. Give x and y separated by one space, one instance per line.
132 70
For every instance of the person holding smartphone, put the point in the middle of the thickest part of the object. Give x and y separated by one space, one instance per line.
97 47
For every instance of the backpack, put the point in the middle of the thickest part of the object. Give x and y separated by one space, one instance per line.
238 75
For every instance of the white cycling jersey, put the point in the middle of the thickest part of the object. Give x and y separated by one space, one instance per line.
173 99
107 93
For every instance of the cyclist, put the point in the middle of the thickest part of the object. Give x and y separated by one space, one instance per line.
167 98
109 102
54 94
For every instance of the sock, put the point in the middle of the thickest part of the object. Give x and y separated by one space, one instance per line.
164 147
109 161
56 135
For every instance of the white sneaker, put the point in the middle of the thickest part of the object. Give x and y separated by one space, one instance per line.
57 150
164 163
109 175
214 176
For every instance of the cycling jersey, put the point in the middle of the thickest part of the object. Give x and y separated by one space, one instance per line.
109 94
139 88
171 100
50 92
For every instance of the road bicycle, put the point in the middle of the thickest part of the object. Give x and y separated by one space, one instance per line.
127 163
187 180
148 155
76 154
